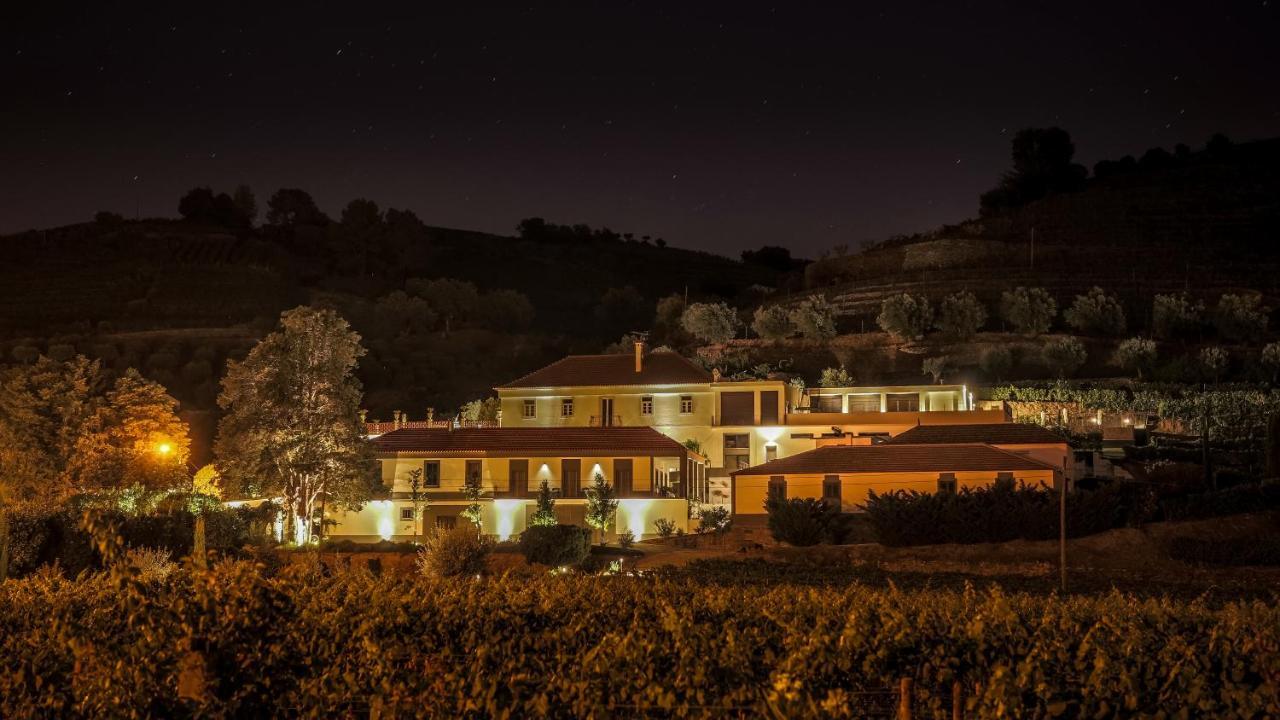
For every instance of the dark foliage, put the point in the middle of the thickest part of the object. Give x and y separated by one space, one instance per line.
1041 166
1259 549
805 521
1002 513
555 545
1230 501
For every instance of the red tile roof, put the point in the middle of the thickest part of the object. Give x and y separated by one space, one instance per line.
563 441
991 434
886 458
661 368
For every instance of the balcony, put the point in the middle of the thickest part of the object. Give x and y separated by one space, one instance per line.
606 421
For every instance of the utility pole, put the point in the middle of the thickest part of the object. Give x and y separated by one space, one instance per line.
1033 248
1062 533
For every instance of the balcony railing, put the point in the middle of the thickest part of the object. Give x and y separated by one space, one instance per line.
381 428
606 421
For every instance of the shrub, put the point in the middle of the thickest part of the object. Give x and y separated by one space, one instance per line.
1214 362
712 323
714 519
150 564
835 377
772 322
815 318
1220 503
1001 513
545 514
961 315
1135 354
1097 313
555 545
626 539
666 528
1063 355
1175 316
905 316
1240 317
452 553
1029 310
803 521
996 362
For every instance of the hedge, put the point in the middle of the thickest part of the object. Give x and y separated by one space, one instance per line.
237 642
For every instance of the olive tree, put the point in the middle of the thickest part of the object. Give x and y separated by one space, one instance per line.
905 316
1175 315
710 322
1029 310
1136 354
961 315
815 318
1240 317
772 322
1063 355
1097 313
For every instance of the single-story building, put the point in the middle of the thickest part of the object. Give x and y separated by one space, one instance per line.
1034 441
649 471
846 474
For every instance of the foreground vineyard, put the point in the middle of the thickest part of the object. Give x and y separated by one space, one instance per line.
237 642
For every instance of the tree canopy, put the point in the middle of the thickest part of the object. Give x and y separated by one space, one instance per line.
1041 165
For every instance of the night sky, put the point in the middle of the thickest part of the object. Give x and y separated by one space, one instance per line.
718 126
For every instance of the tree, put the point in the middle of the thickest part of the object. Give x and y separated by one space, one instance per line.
769 256
545 513
622 308
1096 312
835 377
291 206
197 204
602 504
815 318
905 316
1240 317
506 310
1213 362
936 367
246 205
398 313
1135 354
710 322
207 481
667 329
1175 316
417 497
1270 359
291 426
454 301
361 216
996 362
961 315
772 322
1029 310
472 492
478 411
1041 165
1064 355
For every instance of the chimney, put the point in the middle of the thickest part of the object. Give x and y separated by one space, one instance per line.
397 418
431 414
639 355
715 374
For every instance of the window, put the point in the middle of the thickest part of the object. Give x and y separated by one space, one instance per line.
737 451
530 409
902 402
831 489
864 402
769 407
446 522
827 404
431 474
406 513
770 453
686 404
946 482
566 407
473 472
646 405
777 487
1005 480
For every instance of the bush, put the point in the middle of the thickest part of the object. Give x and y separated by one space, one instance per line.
996 362
626 539
905 316
1029 310
714 519
555 545
1097 313
772 322
835 377
804 521
1231 501
961 315
451 553
666 528
1001 513
1064 355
